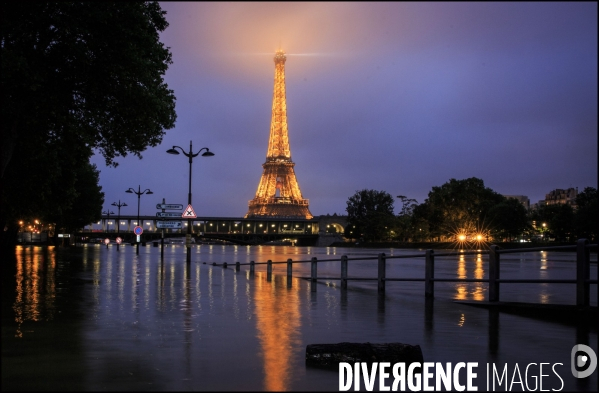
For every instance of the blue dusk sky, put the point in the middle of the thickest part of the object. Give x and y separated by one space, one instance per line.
396 97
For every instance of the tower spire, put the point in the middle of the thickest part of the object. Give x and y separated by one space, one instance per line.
278 193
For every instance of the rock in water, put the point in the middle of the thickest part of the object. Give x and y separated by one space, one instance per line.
330 355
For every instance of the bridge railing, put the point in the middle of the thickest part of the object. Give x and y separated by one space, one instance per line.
582 280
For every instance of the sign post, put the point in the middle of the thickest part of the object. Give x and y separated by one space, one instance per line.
189 213
167 224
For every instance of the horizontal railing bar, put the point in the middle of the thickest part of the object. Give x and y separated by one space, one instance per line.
550 248
451 254
455 254
582 280
483 280
533 281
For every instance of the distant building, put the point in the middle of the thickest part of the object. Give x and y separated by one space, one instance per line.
523 199
562 197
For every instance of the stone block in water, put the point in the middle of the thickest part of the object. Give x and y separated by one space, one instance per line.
330 355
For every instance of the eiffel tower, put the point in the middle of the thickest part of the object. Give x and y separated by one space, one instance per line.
278 193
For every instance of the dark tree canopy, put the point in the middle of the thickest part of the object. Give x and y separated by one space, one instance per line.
76 77
459 204
371 212
508 219
93 68
559 220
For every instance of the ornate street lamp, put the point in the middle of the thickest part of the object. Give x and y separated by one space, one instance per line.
118 224
108 213
190 155
139 193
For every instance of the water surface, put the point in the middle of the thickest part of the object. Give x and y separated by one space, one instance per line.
92 318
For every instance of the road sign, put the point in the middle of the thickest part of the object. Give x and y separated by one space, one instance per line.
168 214
118 240
106 241
189 213
169 224
138 230
171 207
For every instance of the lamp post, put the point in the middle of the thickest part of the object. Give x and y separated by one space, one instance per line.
190 155
118 224
139 193
108 213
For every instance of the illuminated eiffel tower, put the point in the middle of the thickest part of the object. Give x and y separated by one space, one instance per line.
278 193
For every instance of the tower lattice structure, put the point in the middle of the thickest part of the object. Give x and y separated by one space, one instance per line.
278 193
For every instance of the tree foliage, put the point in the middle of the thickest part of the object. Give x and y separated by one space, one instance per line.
76 77
458 204
371 212
91 68
508 219
559 220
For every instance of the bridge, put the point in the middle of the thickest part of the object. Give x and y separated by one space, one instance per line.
317 231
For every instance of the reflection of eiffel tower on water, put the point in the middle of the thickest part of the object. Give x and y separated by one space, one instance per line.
278 193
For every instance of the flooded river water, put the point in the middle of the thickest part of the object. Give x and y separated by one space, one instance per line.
94 318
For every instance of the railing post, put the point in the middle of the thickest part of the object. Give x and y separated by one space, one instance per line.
289 273
382 269
224 265
237 266
268 270
252 268
429 274
344 272
313 275
583 272
493 273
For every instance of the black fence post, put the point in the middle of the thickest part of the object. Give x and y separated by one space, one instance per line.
382 270
344 272
269 270
429 274
493 273
252 268
313 274
583 273
237 266
289 268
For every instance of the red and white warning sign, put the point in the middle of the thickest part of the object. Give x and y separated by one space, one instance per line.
189 212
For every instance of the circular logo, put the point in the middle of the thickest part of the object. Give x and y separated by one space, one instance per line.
138 230
583 361
118 240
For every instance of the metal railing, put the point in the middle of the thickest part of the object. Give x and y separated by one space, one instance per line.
582 280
